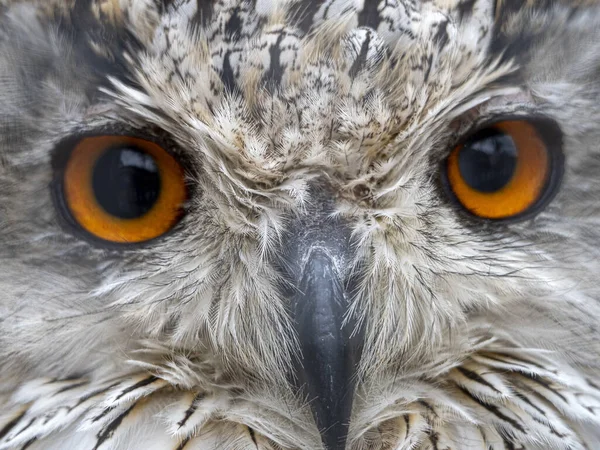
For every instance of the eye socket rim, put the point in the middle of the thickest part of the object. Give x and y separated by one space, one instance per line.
60 161
549 132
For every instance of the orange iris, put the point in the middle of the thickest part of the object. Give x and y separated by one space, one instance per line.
523 188
123 189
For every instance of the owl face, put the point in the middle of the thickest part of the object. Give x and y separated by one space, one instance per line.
299 224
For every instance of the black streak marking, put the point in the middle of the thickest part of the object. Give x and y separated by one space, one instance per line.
428 62
24 428
28 443
63 380
369 16
592 384
103 413
441 36
191 409
361 59
252 435
10 425
227 75
108 432
494 410
510 445
303 13
530 403
144 382
407 422
553 430
434 438
94 393
477 378
72 386
204 12
275 73
428 407
536 379
465 9
234 25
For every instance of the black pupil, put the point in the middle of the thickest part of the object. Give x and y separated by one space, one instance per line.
126 182
488 160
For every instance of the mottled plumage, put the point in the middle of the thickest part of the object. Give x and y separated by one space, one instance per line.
477 335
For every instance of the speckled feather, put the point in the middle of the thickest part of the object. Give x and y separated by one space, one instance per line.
479 336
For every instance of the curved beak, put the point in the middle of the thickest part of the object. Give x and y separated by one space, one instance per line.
330 341
327 370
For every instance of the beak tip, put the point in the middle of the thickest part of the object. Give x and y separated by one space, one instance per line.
335 437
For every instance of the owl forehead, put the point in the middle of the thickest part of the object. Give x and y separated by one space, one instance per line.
277 85
316 46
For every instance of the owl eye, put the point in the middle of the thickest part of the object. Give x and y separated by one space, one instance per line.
505 170
123 189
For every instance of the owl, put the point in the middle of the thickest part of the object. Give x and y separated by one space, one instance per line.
299 224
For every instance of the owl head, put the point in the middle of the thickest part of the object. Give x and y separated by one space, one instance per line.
299 224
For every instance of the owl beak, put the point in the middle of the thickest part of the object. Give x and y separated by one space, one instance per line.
330 344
